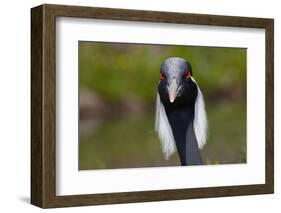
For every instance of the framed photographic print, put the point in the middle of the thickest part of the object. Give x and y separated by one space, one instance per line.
135 106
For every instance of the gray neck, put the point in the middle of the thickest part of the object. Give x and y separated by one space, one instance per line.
192 150
182 126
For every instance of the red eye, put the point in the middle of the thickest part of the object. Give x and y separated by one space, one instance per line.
162 77
187 75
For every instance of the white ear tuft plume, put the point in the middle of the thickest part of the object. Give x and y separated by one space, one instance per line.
164 130
200 122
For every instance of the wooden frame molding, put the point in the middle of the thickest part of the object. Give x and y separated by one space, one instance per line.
43 105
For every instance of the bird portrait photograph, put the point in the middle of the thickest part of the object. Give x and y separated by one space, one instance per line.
155 105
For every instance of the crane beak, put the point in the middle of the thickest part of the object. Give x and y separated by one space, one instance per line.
173 90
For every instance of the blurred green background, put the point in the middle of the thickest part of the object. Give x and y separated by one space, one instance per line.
118 86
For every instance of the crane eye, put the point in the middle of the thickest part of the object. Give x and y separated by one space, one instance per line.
187 75
162 76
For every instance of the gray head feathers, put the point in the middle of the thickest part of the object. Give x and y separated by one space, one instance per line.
175 66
